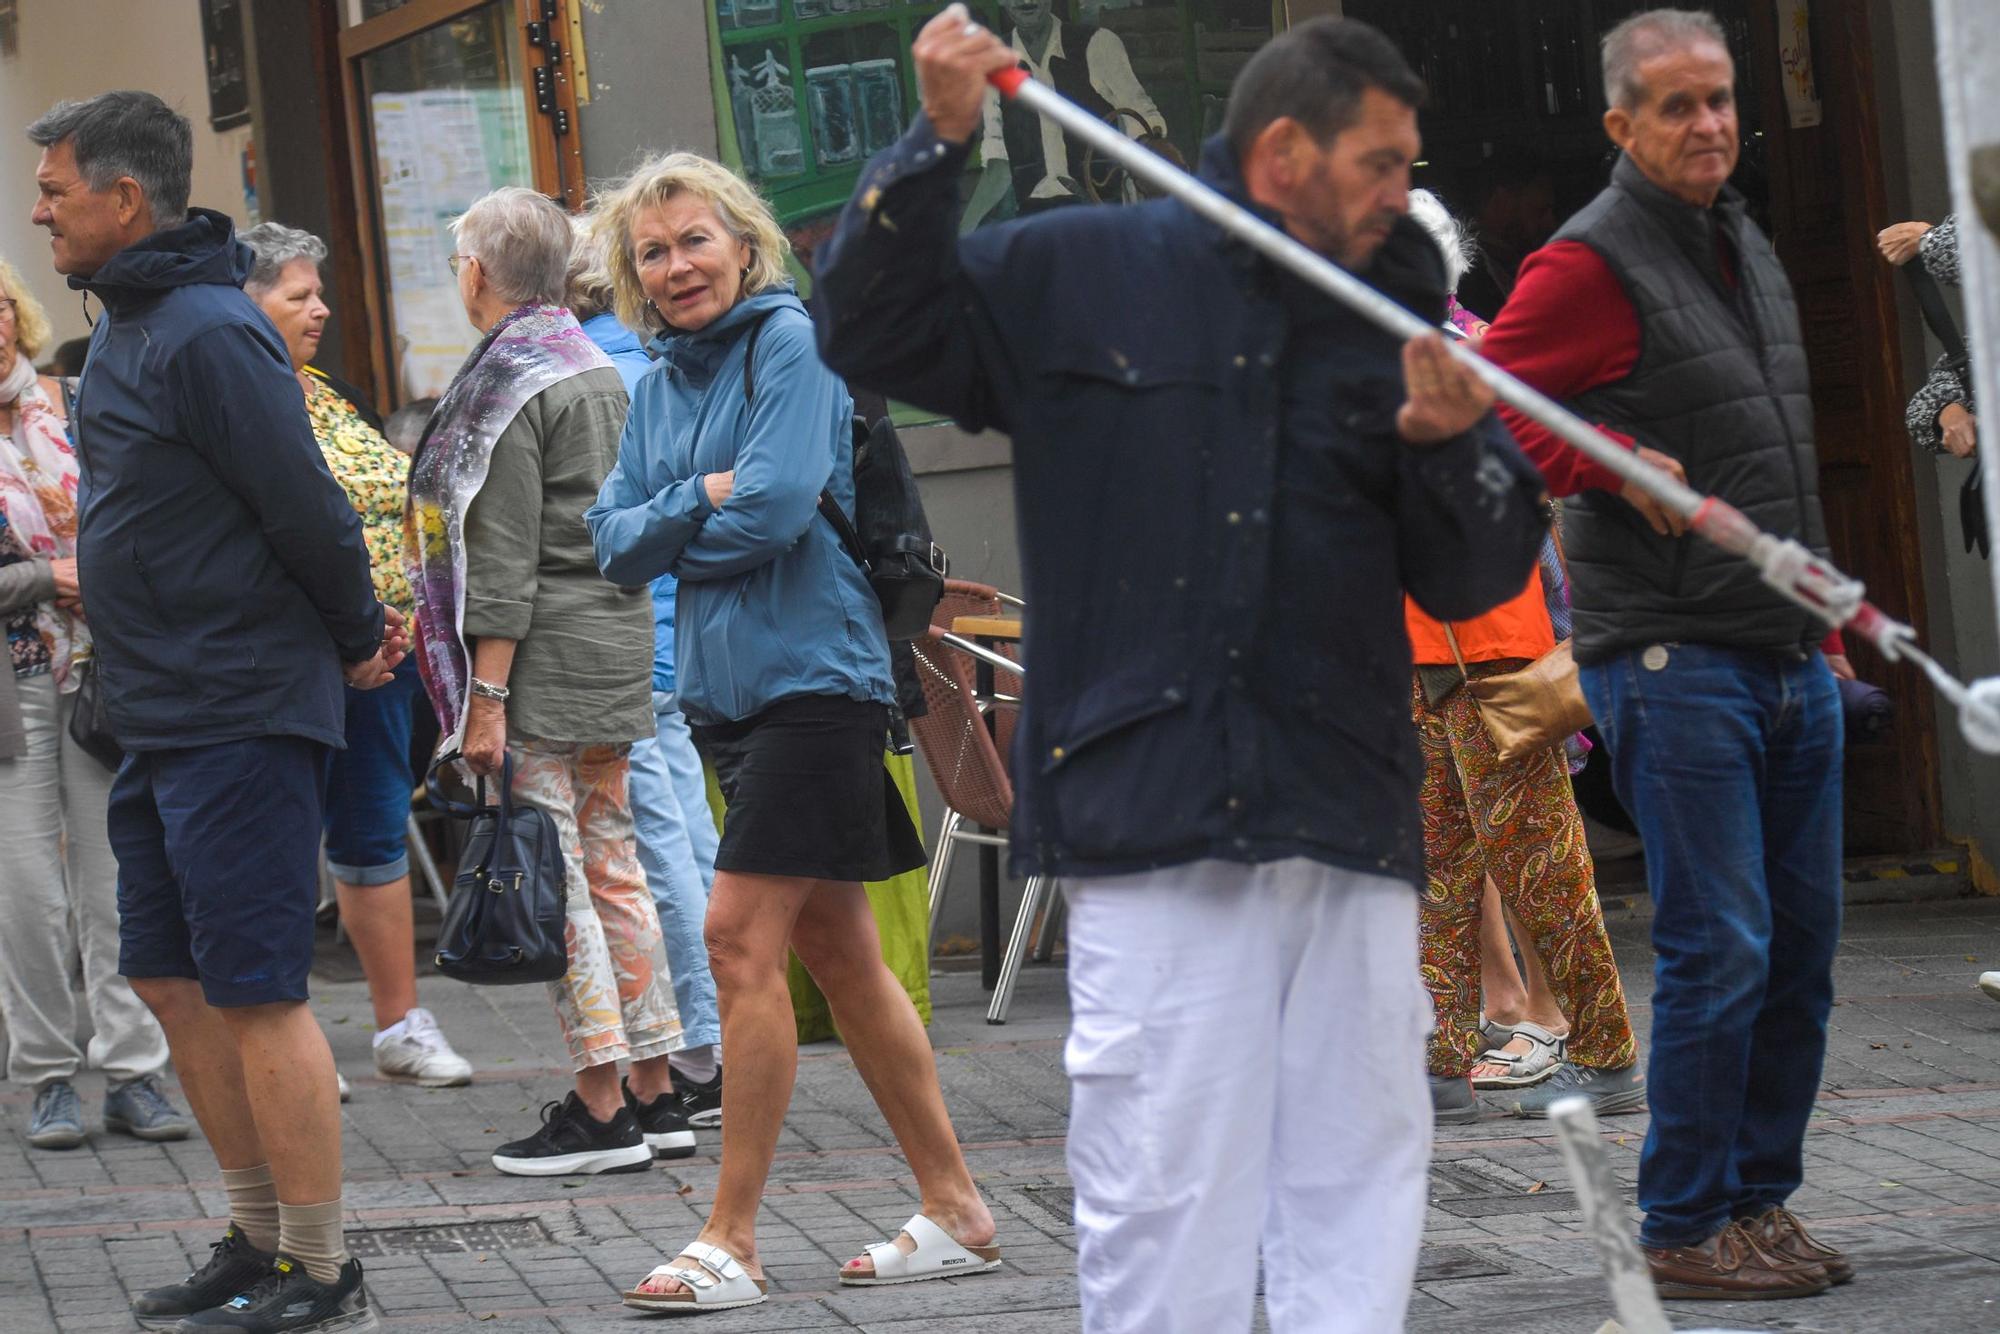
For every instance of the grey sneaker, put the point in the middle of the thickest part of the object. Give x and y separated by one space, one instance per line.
1453 1103
1609 1091
141 1110
57 1120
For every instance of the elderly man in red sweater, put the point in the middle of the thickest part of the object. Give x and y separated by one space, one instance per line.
1661 312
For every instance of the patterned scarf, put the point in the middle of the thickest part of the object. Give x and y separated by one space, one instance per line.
526 352
38 505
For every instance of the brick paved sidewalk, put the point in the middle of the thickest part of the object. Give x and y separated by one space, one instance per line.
1904 1171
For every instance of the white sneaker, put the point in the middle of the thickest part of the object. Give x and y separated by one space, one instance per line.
415 1050
345 1092
1990 984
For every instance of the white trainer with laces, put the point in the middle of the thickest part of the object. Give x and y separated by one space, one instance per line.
415 1050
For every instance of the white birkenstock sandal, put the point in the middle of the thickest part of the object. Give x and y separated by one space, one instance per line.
714 1282
936 1256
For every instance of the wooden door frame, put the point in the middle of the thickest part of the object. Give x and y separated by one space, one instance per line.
556 163
1846 77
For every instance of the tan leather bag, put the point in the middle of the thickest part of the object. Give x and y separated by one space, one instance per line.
1529 710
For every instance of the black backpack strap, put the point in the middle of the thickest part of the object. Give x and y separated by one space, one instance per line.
750 354
850 541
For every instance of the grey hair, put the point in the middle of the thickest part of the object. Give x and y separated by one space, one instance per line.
1431 214
590 290
274 247
522 240
126 133
1640 38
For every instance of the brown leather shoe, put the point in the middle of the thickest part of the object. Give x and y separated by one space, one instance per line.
1779 1233
1730 1267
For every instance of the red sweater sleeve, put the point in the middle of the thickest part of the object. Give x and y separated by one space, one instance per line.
1567 327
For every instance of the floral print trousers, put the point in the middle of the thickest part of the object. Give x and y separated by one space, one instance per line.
1516 821
617 1000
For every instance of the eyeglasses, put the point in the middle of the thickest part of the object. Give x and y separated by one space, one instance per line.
7 307
453 261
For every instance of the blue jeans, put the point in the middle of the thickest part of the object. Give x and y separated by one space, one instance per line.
1729 761
677 841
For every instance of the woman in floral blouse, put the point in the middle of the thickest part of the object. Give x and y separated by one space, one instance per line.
369 783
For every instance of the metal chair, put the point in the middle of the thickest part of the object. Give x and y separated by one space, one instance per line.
965 756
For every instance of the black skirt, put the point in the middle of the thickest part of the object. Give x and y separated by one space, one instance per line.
808 794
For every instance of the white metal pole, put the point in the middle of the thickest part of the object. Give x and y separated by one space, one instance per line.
1625 1270
1786 565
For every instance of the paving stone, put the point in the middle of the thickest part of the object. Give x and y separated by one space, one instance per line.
1903 1161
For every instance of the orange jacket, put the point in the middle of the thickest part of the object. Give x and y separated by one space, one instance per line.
1515 629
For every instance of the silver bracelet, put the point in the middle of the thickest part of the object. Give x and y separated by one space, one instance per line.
489 690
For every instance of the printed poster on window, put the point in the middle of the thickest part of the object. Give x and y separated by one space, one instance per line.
1795 62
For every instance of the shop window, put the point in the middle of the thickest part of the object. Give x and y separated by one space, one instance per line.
446 102
809 90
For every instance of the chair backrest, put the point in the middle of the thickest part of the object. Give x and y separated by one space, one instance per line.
967 762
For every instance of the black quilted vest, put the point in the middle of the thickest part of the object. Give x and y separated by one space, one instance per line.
1721 384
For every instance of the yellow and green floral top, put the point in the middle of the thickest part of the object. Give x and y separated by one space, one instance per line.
375 475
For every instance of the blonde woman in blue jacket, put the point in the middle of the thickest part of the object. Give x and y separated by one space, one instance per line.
784 675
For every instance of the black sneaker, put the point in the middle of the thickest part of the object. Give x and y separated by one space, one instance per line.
290 1299
701 1102
572 1143
234 1266
662 1122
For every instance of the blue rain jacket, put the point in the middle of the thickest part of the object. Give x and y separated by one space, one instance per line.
770 607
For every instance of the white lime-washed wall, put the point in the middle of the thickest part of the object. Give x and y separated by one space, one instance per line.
73 49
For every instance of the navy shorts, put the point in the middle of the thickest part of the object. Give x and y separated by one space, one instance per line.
218 865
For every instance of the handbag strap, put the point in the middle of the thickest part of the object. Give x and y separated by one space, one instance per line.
458 809
1456 656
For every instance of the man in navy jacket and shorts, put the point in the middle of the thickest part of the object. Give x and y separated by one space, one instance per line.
228 589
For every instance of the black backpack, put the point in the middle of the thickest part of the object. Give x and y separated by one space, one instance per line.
890 539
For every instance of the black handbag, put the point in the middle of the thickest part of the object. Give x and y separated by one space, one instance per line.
504 924
89 723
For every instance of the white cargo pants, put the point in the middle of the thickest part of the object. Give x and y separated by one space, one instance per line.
1246 1062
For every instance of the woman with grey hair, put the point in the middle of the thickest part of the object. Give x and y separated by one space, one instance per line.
368 783
540 669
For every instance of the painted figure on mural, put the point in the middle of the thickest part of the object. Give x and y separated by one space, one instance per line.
1029 158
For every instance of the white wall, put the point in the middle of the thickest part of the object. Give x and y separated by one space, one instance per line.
74 49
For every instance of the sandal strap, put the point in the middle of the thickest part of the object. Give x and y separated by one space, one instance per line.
715 1260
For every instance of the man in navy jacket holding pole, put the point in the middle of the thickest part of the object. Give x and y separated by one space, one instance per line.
1225 481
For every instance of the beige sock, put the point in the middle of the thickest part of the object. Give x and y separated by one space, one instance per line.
311 1234
253 1204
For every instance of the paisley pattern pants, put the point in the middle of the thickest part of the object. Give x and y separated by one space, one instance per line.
1516 821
